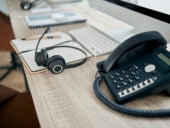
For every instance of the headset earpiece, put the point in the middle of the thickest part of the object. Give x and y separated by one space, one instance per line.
56 64
42 58
26 5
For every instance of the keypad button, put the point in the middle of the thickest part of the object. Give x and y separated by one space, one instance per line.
114 81
127 76
138 86
136 67
123 71
143 83
150 68
138 71
130 69
133 88
133 73
130 81
111 76
124 83
154 78
120 78
149 81
118 86
117 74
137 77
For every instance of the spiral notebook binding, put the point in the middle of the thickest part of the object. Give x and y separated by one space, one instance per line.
57 24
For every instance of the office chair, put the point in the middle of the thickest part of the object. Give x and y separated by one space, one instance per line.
6 35
17 109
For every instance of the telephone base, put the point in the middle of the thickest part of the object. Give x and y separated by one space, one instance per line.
168 91
100 66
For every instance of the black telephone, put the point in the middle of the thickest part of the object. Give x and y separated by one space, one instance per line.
139 66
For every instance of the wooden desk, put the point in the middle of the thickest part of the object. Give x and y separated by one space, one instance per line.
73 103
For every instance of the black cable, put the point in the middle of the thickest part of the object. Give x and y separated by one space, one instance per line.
35 1
66 46
46 30
125 109
50 46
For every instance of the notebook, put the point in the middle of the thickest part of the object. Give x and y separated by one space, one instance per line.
89 39
53 18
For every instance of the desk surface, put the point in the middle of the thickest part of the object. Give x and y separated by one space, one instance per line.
73 103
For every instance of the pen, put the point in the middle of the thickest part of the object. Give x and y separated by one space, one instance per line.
36 38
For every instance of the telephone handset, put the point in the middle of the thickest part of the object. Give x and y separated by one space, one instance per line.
149 41
139 66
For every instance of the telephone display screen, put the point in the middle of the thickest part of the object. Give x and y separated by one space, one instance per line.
164 58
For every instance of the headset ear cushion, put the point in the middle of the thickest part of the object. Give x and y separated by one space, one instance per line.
42 58
56 64
38 59
26 5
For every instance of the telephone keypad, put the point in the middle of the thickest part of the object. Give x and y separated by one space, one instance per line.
125 76
131 79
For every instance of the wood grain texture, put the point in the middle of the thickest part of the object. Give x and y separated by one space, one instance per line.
69 96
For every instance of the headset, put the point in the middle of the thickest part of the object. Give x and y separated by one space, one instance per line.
26 5
56 63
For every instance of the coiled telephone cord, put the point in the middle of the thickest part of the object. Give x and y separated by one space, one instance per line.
126 109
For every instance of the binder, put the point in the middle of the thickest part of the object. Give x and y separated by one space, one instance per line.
53 19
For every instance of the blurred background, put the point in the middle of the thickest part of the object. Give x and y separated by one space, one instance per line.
15 78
